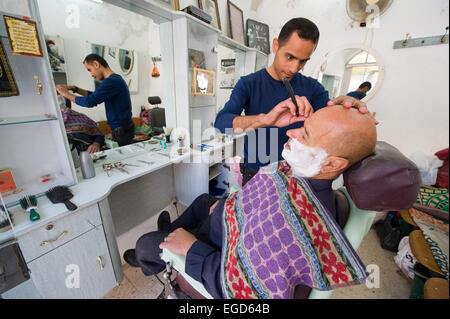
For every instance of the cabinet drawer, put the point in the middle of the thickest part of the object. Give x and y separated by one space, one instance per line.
52 235
81 268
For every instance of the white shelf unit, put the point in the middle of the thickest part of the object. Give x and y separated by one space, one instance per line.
33 142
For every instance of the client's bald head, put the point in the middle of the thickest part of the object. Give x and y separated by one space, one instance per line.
345 134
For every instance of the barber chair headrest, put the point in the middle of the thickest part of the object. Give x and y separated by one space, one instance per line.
384 181
153 100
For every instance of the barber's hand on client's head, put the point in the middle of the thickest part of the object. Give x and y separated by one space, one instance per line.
179 241
351 102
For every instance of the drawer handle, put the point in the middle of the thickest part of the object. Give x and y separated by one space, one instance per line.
100 261
52 241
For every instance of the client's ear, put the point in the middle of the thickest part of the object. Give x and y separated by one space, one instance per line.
334 164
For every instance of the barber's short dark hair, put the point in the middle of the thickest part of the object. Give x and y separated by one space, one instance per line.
95 57
305 29
366 84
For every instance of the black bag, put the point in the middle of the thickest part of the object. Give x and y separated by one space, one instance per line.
390 232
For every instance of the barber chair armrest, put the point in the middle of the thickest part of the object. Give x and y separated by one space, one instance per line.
356 228
178 262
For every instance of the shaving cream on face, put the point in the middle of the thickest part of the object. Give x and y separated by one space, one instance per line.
305 161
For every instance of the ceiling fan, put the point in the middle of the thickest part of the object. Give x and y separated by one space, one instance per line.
367 11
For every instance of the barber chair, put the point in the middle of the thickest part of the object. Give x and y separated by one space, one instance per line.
157 116
384 181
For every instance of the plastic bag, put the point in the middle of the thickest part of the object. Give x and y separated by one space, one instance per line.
405 258
428 166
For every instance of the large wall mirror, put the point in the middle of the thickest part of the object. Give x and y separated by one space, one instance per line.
123 61
343 70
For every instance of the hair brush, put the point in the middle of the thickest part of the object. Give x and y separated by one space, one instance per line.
29 203
61 194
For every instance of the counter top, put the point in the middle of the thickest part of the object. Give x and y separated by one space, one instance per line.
147 158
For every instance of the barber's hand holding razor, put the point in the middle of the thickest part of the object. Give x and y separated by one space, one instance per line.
284 114
178 241
349 102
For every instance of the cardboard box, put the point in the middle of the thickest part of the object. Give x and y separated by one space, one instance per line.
7 183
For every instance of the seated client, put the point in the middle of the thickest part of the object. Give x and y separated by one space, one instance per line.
80 129
281 231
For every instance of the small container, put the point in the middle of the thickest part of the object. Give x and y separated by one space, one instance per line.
87 165
180 143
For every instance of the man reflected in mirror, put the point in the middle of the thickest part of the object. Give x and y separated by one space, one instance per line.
113 91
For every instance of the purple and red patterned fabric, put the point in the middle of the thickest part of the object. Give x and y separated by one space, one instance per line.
277 235
75 122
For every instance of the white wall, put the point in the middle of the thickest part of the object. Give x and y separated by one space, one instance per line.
111 26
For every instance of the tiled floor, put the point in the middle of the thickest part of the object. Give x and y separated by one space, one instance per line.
392 284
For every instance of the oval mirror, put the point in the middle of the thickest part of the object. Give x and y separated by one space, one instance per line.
126 61
354 71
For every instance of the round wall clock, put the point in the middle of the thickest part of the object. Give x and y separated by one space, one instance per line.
258 36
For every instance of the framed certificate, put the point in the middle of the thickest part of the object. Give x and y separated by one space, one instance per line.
236 22
8 86
23 36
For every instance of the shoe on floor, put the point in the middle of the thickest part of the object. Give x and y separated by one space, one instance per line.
130 257
164 221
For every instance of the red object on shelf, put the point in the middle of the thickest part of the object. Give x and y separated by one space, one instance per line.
442 175
7 183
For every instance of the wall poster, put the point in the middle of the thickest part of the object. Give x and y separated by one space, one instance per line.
23 36
8 86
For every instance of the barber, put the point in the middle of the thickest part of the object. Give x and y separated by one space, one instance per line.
113 91
259 93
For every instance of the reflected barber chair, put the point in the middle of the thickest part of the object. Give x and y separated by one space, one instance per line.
156 115
383 181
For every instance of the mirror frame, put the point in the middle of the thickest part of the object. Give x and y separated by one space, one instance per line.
373 52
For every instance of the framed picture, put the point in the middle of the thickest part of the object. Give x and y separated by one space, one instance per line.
236 20
55 49
169 4
258 36
211 8
98 49
112 52
204 82
196 59
23 36
8 85
227 73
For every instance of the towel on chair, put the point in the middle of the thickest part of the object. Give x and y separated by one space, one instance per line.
278 235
